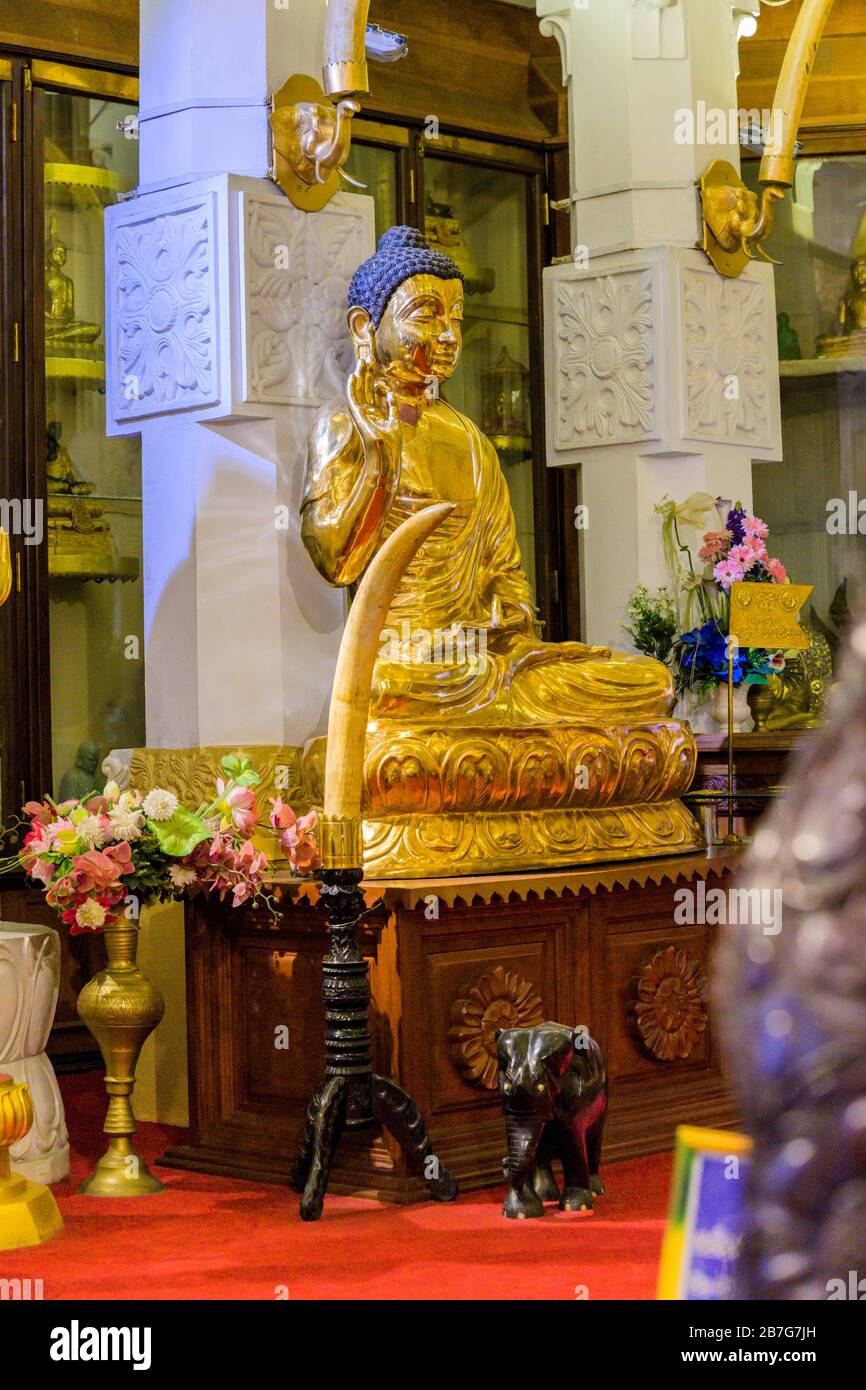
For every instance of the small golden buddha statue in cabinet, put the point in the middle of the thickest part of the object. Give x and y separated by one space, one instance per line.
849 340
80 544
62 328
63 477
487 748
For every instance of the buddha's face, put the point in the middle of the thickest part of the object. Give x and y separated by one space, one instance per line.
420 335
859 272
58 256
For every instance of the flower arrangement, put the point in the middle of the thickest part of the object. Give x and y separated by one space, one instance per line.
93 855
652 622
697 603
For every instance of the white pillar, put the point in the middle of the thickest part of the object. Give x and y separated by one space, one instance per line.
226 330
661 376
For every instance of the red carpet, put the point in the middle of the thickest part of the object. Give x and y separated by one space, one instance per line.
217 1238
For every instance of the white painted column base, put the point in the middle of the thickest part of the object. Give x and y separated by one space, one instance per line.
29 983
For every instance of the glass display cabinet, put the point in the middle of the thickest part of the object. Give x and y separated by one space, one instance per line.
93 483
71 633
811 499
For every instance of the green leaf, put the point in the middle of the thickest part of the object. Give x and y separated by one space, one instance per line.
240 770
179 836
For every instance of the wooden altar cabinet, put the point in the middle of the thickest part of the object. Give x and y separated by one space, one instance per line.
453 960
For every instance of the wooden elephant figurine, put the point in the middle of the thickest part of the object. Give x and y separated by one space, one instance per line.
553 1084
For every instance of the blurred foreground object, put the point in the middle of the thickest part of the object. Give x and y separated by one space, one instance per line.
28 1212
791 1002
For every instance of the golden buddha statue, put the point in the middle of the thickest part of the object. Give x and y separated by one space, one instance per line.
444 233
800 691
62 329
849 340
63 477
487 748
80 544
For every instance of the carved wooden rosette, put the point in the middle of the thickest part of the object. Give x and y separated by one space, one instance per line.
499 999
671 1011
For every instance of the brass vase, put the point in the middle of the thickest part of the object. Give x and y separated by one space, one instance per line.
121 1007
761 702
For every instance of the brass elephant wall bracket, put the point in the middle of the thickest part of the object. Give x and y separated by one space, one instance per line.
736 221
311 124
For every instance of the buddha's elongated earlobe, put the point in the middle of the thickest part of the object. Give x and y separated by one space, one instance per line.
363 334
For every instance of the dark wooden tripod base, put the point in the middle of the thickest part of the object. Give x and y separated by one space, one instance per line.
352 1096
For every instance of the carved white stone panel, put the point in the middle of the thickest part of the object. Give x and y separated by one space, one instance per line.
296 271
729 350
605 359
163 306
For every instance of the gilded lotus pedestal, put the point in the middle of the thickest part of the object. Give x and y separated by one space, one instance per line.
440 803
121 1007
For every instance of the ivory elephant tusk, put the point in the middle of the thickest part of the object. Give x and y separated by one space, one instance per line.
350 700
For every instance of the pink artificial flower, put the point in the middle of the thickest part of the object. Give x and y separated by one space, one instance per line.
241 804
241 892
754 526
98 869
56 826
777 661
60 891
39 812
42 869
755 546
37 841
281 817
743 556
728 572
122 856
300 842
715 546
777 571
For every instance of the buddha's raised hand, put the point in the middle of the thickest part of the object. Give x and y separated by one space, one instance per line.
374 413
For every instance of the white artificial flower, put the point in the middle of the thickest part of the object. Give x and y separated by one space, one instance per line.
181 877
90 914
125 825
91 832
159 804
111 791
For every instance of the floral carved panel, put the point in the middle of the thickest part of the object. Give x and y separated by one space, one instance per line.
164 335
605 360
498 999
725 338
297 268
670 1008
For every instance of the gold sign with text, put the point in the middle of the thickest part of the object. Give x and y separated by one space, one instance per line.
765 615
